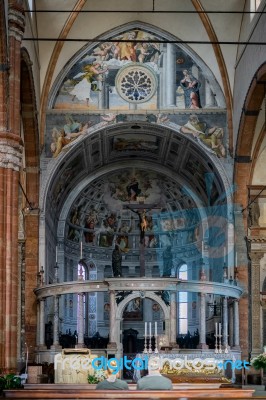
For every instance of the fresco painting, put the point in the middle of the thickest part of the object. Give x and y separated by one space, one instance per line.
90 84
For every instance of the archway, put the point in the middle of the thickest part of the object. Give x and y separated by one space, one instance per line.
163 331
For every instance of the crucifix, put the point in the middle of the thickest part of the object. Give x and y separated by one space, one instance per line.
141 209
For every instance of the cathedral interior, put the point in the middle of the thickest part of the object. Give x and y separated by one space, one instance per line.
132 150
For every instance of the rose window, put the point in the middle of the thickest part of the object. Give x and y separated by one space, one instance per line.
136 83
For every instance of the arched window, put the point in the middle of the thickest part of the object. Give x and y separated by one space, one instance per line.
182 303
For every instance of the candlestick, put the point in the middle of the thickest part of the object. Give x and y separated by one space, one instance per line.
56 254
145 340
150 347
155 329
81 250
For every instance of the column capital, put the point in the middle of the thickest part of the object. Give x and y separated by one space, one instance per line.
256 256
16 22
10 151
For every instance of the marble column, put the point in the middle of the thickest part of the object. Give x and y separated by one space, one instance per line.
56 324
41 344
236 324
231 326
225 322
103 94
202 333
256 341
170 77
80 325
173 317
112 321
209 97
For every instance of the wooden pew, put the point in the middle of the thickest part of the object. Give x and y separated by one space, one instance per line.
92 394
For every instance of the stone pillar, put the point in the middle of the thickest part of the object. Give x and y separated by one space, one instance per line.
170 81
31 221
112 328
80 327
41 344
231 326
56 345
10 163
256 343
202 333
173 316
236 324
225 322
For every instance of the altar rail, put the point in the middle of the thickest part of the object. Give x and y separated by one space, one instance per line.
92 394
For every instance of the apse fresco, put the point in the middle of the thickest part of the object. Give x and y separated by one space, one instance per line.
61 185
107 212
125 187
152 75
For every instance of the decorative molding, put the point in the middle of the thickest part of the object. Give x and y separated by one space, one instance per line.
256 239
16 22
147 284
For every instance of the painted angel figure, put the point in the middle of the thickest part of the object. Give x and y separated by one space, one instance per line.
109 117
61 138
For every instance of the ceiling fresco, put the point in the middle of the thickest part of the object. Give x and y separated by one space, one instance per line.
209 129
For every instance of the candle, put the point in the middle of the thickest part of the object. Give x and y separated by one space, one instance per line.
150 329
202 246
224 254
155 329
56 254
236 259
216 329
220 329
145 335
81 250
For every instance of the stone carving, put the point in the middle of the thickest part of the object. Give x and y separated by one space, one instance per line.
253 214
69 366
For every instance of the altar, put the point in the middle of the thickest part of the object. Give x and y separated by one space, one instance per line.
195 366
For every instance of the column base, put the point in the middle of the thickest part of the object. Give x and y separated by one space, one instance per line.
41 347
174 346
238 348
202 346
79 346
56 347
255 353
112 346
